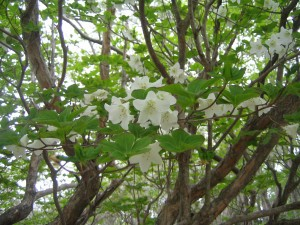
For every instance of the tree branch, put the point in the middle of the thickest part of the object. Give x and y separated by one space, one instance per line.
63 44
262 213
243 178
86 37
32 42
55 186
21 211
285 105
49 191
147 37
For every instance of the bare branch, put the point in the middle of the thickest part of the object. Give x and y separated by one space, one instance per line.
243 178
147 37
63 45
49 191
85 36
262 213
55 186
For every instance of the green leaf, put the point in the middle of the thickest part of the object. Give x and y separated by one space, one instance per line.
180 141
206 155
8 137
237 94
184 97
47 117
293 118
140 93
199 86
293 89
83 153
73 91
271 90
125 145
85 124
139 131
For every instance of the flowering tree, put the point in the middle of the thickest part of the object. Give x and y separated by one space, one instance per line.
149 112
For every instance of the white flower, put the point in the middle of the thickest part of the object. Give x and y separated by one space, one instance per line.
136 64
18 151
204 103
291 130
211 109
262 109
221 11
285 36
119 112
24 140
90 111
73 136
98 95
270 4
145 159
252 103
166 96
44 144
151 108
218 110
258 49
177 74
144 83
169 120
274 45
222 109
127 35
51 128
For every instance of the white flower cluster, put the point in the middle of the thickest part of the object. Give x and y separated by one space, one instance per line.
145 159
177 74
37 146
154 109
98 95
136 64
279 43
210 108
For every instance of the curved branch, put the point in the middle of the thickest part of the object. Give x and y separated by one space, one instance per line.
196 31
21 211
86 37
262 213
55 186
243 178
63 44
151 51
32 42
49 191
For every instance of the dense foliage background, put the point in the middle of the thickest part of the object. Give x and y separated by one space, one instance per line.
149 112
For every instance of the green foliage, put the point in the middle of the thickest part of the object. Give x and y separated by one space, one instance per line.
180 141
237 94
124 145
224 69
8 137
